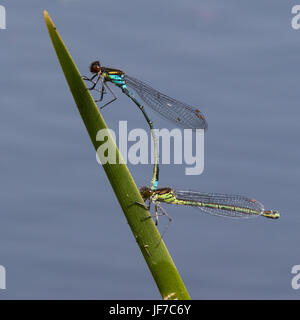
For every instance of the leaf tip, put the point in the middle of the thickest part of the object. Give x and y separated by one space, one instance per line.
48 20
46 15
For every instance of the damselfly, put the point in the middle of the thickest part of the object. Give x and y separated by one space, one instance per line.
182 114
234 206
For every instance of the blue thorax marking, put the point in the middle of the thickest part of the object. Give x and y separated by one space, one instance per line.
117 80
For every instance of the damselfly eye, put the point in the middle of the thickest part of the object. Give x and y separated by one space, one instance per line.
95 67
145 192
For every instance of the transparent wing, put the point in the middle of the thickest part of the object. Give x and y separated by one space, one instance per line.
182 114
222 204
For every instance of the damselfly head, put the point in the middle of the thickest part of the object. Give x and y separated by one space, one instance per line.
145 192
95 67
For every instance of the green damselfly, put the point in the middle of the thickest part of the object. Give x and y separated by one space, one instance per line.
234 206
178 112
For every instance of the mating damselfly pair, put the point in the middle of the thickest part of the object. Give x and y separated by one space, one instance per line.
186 116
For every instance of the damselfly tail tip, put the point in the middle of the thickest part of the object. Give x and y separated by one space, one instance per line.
202 118
272 214
95 67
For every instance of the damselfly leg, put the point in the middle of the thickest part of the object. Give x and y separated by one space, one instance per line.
159 212
162 213
85 78
104 86
142 205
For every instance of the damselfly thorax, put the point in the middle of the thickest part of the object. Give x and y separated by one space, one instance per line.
115 76
156 195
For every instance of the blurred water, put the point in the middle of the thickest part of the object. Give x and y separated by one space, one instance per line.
62 233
